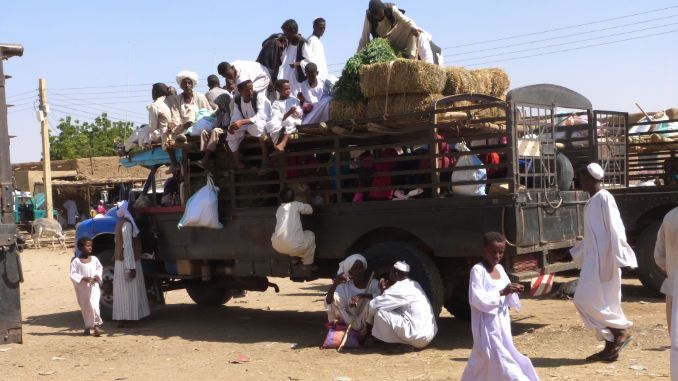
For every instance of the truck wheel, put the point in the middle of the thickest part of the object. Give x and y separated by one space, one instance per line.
649 273
106 300
457 304
208 294
382 256
565 172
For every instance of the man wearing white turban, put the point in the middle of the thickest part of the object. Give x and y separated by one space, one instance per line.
129 291
350 293
600 255
185 106
402 313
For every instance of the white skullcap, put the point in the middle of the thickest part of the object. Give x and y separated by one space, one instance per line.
187 74
596 171
402 266
242 80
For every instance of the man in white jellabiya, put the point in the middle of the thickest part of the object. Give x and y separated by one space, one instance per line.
601 255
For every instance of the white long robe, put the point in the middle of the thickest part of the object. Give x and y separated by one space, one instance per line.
340 309
129 295
600 255
666 257
71 211
259 120
253 71
403 314
319 97
289 237
399 34
289 56
88 295
494 357
316 54
278 110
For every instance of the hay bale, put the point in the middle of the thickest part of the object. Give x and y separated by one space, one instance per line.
407 77
401 103
343 110
491 81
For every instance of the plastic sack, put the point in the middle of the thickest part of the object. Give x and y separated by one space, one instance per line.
202 209
335 334
203 124
468 174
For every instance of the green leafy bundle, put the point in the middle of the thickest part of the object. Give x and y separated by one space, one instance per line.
347 87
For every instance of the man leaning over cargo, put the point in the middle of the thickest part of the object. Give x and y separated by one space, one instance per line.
388 21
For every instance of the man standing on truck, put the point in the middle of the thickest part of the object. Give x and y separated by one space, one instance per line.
388 21
666 256
600 255
130 302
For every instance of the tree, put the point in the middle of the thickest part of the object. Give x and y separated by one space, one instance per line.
75 138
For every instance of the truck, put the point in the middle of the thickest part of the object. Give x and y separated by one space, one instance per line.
28 209
467 165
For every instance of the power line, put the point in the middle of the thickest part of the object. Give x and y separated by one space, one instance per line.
22 98
22 93
562 28
106 106
110 116
561 36
574 48
569 43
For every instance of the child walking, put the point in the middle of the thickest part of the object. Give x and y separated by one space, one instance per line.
491 293
86 273
289 238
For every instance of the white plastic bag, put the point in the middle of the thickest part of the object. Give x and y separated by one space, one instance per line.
468 174
202 209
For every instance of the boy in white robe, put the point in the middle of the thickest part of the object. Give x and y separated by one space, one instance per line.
314 97
130 302
347 298
491 294
250 113
666 257
86 273
289 237
285 116
316 50
291 68
402 313
600 255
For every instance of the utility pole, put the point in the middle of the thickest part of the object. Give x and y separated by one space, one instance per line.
46 163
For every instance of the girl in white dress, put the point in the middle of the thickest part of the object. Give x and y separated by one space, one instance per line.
86 273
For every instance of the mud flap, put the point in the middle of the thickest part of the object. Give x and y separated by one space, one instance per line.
10 307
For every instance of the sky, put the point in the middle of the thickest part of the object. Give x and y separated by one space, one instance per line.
103 56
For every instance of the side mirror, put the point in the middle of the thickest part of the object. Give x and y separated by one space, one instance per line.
11 50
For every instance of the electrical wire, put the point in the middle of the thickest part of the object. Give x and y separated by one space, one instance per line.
106 107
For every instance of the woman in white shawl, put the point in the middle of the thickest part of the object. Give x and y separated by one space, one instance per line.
350 291
491 293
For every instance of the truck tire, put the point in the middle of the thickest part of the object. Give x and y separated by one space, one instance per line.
106 300
382 256
650 275
208 294
457 304
565 172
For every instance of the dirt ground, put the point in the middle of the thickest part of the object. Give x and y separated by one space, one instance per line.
281 334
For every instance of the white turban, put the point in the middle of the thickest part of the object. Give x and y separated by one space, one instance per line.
124 213
187 74
346 264
402 266
596 171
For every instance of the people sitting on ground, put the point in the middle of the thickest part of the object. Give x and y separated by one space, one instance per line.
316 50
353 288
314 96
250 113
240 71
390 22
86 275
491 294
214 90
210 139
185 106
402 313
285 116
293 56
289 237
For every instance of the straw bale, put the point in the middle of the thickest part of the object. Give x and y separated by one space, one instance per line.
407 77
342 110
402 103
491 81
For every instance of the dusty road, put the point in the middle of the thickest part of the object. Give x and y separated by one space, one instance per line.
280 333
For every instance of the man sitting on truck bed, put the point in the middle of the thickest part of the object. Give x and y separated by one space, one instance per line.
250 113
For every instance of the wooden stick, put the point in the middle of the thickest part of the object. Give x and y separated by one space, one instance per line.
350 325
644 113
